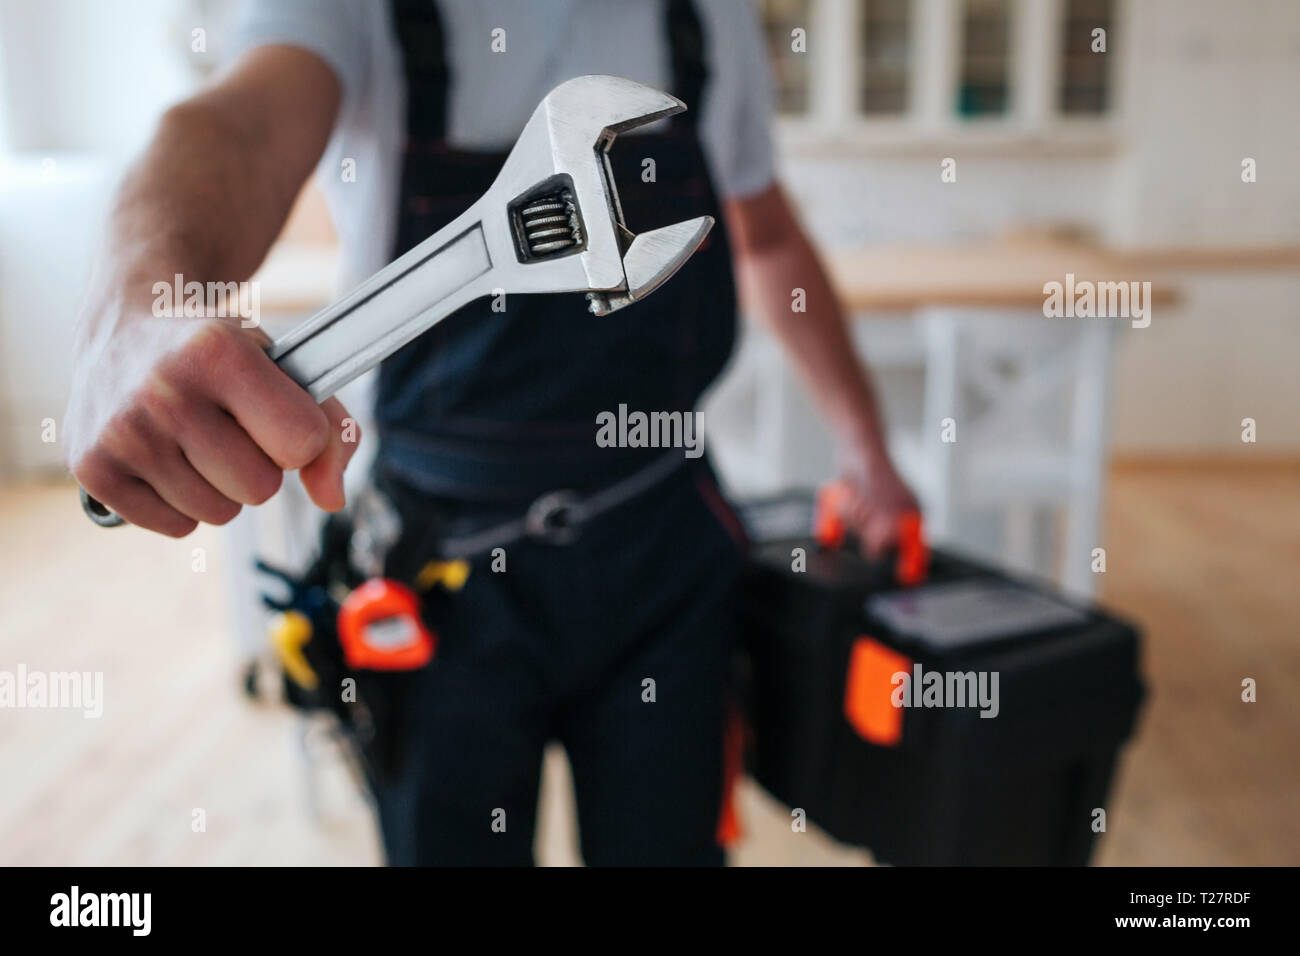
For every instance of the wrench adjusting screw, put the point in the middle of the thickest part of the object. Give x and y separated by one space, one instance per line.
547 223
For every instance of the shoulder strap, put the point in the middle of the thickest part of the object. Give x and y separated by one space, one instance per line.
422 40
686 47
418 26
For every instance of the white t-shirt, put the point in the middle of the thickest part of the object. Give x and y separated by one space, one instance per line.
492 94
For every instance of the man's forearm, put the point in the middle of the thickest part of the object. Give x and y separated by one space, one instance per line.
190 205
183 206
216 183
778 269
816 338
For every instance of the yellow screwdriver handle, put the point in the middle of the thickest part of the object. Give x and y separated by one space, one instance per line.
450 574
290 632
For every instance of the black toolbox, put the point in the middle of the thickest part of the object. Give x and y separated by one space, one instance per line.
907 766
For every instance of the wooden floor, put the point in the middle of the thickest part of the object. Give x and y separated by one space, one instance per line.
1208 560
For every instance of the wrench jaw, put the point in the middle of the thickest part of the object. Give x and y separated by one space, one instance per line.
579 121
651 260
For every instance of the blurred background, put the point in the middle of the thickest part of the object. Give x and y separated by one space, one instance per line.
950 156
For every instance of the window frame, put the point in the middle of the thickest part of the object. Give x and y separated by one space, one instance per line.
1033 122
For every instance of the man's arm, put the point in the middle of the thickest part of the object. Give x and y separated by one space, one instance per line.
773 257
172 421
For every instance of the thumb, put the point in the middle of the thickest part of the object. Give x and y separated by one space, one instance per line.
323 477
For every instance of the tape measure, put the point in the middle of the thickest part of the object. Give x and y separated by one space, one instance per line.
381 629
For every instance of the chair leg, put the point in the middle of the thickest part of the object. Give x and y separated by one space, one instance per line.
942 401
1089 435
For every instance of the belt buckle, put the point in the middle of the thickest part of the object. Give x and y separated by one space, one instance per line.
554 517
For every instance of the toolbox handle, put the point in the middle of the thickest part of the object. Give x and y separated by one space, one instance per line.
912 562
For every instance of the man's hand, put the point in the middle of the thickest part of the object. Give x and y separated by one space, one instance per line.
774 257
876 501
173 421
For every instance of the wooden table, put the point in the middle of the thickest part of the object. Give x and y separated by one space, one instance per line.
1006 274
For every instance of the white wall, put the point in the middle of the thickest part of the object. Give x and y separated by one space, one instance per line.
50 208
1207 83
1231 352
1215 82
81 85
851 200
90 75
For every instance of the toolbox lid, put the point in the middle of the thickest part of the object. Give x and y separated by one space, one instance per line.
786 517
953 614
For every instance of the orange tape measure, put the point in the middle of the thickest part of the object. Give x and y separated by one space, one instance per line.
381 629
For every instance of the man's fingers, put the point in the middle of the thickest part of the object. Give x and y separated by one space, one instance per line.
323 478
229 459
875 527
274 410
216 427
138 503
147 450
179 484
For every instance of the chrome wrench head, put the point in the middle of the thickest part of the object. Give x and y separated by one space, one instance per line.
562 206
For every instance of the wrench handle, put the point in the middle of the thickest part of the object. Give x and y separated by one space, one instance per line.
389 309
98 512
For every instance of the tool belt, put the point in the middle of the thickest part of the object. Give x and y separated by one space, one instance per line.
350 646
555 517
355 629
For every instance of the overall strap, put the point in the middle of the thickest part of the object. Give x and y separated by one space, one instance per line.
686 48
423 42
424 61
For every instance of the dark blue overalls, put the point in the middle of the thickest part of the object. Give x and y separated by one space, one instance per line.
490 410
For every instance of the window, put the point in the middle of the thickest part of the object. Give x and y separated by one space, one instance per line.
902 71
884 58
789 69
985 58
1085 74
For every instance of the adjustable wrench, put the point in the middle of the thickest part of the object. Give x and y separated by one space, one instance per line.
551 222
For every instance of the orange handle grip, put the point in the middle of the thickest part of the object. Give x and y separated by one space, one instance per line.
913 553
830 530
828 517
